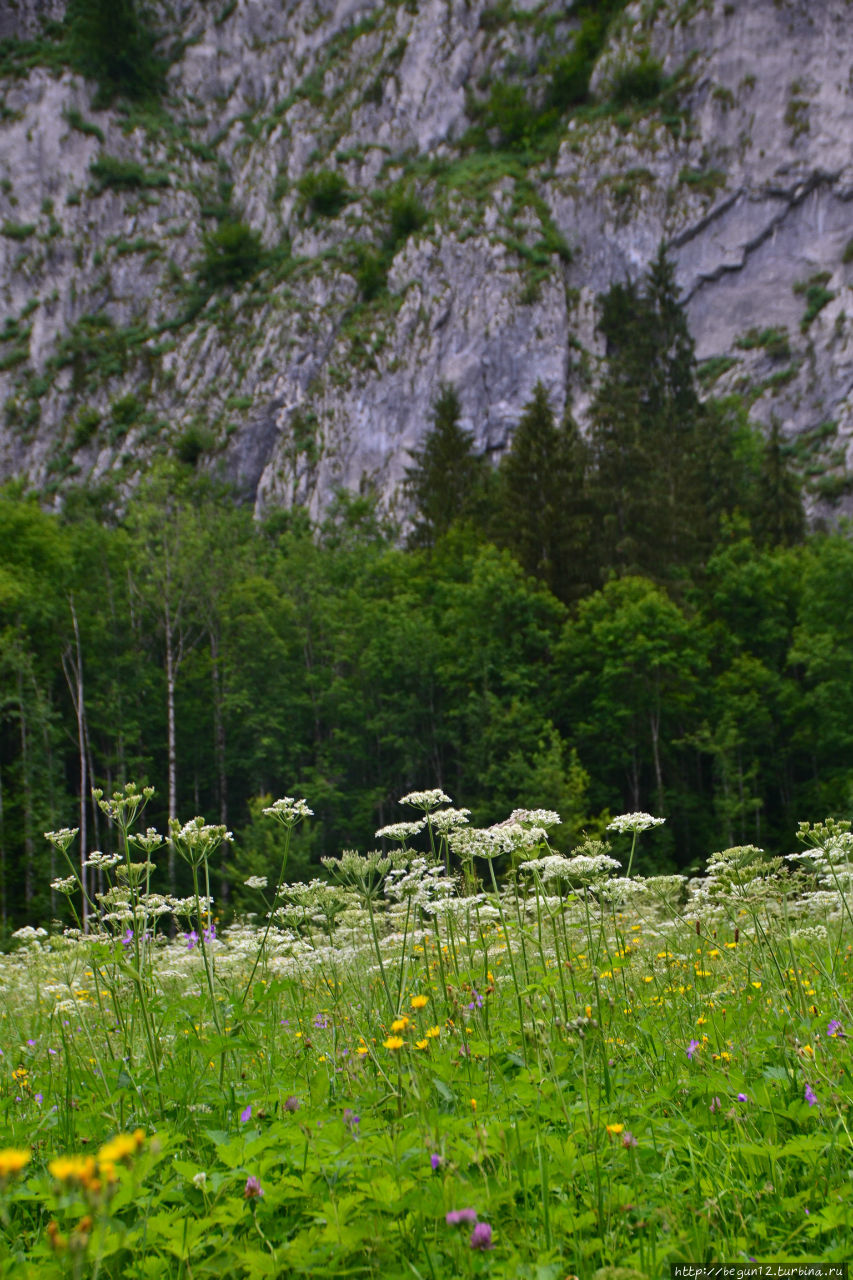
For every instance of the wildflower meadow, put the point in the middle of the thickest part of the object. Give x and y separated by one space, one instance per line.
462 1054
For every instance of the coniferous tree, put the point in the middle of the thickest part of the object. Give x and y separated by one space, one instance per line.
445 472
543 513
647 424
780 519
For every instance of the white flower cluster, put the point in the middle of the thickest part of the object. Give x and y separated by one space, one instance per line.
61 839
66 885
444 820
103 861
552 867
592 870
421 883
536 817
289 811
634 822
401 831
256 882
492 842
426 800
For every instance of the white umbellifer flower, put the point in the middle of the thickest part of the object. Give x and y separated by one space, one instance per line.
426 800
256 882
492 842
199 1179
66 885
635 822
536 817
552 867
584 869
289 811
28 934
401 830
444 820
621 889
102 860
62 838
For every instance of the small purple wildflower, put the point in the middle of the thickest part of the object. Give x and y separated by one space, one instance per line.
810 1096
31 1043
352 1120
715 1104
254 1190
477 1002
691 1049
628 1139
457 1216
192 939
321 1021
246 1114
481 1236
742 1097
834 1028
435 1161
127 938
291 1104
210 933
39 1098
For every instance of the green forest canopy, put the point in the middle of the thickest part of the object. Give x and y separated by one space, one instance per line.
630 619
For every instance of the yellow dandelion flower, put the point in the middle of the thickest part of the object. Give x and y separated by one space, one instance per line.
400 1024
362 1049
393 1042
757 985
614 1129
421 1044
72 1169
807 1049
419 1002
121 1147
473 1104
432 1033
13 1160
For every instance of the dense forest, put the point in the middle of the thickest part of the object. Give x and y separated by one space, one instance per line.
632 617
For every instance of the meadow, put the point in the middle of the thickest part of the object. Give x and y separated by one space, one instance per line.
471 1055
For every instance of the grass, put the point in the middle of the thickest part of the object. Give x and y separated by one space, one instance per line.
601 1071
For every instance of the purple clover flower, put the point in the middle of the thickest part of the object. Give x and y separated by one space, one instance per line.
742 1097
291 1103
253 1190
481 1236
435 1161
810 1096
457 1216
628 1139
715 1105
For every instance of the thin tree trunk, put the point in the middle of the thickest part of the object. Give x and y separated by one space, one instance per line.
654 725
219 746
170 735
73 667
28 796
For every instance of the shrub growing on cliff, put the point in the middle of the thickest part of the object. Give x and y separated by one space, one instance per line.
324 193
110 41
233 253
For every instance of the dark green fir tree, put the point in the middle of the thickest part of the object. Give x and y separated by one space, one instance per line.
444 475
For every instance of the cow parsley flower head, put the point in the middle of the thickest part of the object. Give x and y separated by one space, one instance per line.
634 822
289 811
401 831
256 882
63 838
426 800
68 885
444 820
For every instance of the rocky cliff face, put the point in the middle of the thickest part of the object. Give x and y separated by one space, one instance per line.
320 369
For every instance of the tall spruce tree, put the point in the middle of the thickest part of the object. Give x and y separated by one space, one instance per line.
444 474
112 42
543 513
646 425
